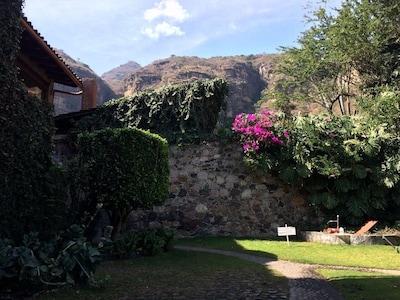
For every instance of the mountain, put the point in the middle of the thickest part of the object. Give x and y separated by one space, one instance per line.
115 77
248 76
65 103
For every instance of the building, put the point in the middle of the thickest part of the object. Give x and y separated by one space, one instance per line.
41 68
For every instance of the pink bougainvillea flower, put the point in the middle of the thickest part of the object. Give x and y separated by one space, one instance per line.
251 117
276 140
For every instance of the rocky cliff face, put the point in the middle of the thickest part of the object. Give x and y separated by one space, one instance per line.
66 103
115 77
248 76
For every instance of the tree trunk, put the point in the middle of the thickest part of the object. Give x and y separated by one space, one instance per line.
117 220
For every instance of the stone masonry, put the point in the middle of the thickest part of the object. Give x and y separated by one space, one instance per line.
213 193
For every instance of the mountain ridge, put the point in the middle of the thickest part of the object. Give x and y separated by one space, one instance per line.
249 76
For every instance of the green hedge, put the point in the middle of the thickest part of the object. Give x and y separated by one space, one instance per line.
121 170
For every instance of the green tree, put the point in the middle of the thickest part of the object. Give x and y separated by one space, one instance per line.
346 53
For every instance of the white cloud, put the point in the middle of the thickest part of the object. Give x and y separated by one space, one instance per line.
162 29
167 8
232 27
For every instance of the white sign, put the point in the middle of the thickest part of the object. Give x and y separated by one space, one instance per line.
286 231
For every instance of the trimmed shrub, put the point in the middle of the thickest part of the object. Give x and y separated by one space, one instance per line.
121 170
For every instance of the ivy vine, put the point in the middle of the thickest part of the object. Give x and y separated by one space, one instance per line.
183 112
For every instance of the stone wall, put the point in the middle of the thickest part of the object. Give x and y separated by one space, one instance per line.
212 192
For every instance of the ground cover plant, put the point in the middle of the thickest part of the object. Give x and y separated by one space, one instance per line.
180 273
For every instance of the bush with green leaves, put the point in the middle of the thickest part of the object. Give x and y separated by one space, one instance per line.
123 247
183 112
147 242
346 165
67 258
121 170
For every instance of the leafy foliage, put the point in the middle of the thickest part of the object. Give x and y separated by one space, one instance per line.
121 170
184 112
146 242
259 136
346 53
346 164
30 199
65 259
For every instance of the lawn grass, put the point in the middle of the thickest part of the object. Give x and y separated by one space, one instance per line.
181 274
368 256
352 284
176 274
355 285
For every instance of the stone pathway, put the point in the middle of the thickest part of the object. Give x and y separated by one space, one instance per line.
304 282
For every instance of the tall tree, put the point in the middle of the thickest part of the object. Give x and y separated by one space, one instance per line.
344 54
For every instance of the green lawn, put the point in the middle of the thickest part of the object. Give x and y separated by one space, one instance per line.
369 256
353 285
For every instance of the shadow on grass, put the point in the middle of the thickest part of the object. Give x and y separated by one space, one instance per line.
225 243
384 288
355 285
181 274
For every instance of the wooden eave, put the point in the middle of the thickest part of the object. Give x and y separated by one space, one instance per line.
32 45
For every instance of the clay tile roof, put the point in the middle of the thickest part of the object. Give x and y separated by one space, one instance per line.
40 51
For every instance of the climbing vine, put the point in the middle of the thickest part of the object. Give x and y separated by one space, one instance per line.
182 112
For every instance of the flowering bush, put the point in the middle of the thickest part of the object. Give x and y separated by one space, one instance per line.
257 131
345 165
261 137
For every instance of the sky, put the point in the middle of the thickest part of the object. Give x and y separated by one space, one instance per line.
105 34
